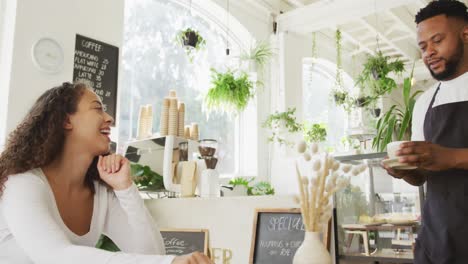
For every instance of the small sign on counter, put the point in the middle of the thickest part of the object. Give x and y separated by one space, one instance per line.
96 63
277 234
184 241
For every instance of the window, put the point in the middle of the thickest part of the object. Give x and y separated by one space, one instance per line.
319 107
153 63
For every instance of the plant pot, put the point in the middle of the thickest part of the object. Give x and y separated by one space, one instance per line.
375 74
191 39
238 190
339 98
376 112
312 251
362 101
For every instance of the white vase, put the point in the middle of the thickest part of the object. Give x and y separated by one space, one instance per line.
312 251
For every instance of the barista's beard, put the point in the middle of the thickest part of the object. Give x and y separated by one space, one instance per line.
451 64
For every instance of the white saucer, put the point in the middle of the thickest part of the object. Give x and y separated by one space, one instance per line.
394 164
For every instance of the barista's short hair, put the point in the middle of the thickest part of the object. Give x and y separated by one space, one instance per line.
450 8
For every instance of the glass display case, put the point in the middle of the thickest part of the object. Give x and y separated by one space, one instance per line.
377 217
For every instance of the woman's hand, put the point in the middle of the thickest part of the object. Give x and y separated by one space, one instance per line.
193 258
115 171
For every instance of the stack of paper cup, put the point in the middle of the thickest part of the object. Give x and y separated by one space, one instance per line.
194 132
173 118
187 132
141 121
145 121
149 121
172 94
181 119
164 122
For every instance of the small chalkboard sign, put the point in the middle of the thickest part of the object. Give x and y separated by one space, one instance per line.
277 234
184 241
96 63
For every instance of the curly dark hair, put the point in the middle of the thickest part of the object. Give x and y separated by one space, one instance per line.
450 8
40 137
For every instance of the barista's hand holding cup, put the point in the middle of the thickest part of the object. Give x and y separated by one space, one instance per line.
392 161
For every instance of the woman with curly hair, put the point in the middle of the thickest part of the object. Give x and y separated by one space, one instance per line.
60 190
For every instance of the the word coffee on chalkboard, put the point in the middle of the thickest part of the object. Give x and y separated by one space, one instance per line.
276 236
96 64
184 241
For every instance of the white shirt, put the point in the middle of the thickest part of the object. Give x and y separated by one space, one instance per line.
32 230
452 91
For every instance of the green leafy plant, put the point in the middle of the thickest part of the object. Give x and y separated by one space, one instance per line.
192 41
350 143
260 54
374 78
339 66
279 120
396 122
145 178
339 94
315 132
240 181
261 188
228 92
106 243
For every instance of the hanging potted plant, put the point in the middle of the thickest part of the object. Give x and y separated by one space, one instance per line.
374 78
258 56
192 41
339 94
363 101
282 123
395 124
315 133
230 92
340 97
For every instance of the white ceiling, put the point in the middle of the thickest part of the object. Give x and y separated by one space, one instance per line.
366 25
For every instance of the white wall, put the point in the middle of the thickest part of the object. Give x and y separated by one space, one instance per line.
7 26
60 20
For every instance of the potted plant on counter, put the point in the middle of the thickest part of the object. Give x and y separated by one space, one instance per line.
230 92
261 188
238 186
395 124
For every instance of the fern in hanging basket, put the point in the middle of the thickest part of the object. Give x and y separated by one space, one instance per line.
229 92
192 42
375 75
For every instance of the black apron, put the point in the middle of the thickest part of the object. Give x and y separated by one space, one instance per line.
443 237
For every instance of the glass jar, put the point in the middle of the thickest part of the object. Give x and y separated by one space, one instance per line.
207 147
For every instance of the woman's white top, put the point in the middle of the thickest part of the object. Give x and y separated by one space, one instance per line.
32 230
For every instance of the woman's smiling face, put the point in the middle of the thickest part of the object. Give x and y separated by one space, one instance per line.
90 124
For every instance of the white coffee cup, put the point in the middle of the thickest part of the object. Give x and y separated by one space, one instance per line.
393 147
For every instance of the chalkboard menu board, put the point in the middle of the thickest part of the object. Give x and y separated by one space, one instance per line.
277 234
96 63
184 241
